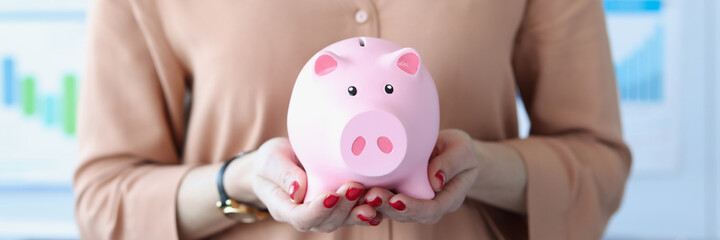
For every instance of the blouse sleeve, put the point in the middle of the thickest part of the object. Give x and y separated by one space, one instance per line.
130 130
576 161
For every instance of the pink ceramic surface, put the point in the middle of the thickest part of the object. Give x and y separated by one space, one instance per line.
365 110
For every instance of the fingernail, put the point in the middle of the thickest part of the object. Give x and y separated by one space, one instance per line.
330 201
375 202
441 175
363 218
353 193
374 222
398 205
292 189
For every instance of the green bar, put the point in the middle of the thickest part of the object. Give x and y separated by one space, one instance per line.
29 88
69 104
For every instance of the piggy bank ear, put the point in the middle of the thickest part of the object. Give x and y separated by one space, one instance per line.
325 63
408 60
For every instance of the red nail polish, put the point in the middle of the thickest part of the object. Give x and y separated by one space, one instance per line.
398 205
353 193
363 218
330 201
375 202
292 189
374 223
441 175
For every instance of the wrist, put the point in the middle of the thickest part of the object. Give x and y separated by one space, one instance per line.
502 178
483 163
238 180
492 159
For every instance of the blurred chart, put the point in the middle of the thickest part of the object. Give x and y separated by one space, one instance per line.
41 55
41 61
648 97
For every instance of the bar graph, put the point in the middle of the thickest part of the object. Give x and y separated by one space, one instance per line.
59 108
42 56
638 68
42 49
640 76
646 71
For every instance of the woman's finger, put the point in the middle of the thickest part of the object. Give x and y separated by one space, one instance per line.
430 211
282 168
415 210
443 168
360 215
349 194
303 217
454 156
379 198
377 220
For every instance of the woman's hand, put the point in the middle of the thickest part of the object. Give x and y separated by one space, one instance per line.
452 170
280 183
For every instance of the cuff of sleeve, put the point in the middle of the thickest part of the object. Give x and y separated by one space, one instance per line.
158 200
548 196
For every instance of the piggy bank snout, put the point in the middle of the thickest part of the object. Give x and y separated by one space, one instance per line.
373 143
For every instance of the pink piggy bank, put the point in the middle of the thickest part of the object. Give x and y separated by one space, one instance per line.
365 110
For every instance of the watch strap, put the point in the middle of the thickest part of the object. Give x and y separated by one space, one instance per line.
232 209
220 185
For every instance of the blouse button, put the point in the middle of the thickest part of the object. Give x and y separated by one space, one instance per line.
361 16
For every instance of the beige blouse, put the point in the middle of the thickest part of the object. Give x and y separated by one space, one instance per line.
239 59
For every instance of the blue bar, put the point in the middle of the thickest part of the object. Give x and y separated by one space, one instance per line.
9 96
620 73
644 70
633 77
49 114
655 74
42 15
632 6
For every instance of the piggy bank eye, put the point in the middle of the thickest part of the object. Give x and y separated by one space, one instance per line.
352 90
389 89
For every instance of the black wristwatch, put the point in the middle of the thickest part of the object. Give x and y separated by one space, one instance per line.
232 209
